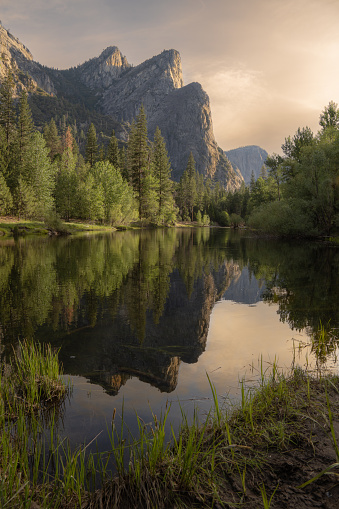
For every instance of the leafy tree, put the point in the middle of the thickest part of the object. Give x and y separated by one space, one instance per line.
91 149
40 176
66 185
292 148
309 177
264 191
274 164
117 195
330 116
89 200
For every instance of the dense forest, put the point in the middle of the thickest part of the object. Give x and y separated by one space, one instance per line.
56 172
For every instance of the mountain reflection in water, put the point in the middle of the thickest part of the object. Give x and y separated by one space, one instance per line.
138 304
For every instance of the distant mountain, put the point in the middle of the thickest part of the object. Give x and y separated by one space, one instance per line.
109 91
247 159
245 289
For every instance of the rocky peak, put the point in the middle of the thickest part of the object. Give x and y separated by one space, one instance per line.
147 84
100 72
15 56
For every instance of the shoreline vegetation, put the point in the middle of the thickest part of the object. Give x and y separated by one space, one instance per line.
13 227
59 173
278 447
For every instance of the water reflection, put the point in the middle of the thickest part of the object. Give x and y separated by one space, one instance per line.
138 304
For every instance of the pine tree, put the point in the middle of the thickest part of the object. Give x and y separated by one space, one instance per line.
7 110
5 196
163 183
91 149
189 185
25 129
139 163
113 151
68 140
66 181
52 139
8 131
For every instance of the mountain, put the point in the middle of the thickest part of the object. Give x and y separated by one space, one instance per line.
247 159
108 91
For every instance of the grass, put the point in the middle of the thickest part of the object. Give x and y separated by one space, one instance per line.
235 457
12 227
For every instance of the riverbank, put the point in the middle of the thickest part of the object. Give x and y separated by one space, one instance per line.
13 227
278 448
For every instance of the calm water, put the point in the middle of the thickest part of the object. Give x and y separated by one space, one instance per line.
141 317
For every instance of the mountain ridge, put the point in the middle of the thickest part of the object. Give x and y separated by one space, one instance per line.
110 88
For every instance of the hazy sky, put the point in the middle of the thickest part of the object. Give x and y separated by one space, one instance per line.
268 66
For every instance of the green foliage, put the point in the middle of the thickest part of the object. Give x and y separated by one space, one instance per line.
306 181
224 218
113 153
52 139
166 212
6 200
236 220
117 195
91 150
39 177
281 218
66 185
330 116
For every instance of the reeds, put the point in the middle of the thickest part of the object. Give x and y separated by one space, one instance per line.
206 463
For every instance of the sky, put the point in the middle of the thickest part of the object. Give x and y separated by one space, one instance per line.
268 66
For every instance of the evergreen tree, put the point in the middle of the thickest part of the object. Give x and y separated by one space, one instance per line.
5 196
139 164
189 185
52 139
7 109
91 149
25 129
113 151
252 182
163 183
8 131
68 141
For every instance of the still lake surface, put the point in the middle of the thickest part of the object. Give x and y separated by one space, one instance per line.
142 317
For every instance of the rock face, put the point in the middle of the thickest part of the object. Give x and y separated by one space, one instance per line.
15 56
248 159
148 84
109 85
100 73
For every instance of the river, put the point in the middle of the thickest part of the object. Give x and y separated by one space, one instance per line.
142 317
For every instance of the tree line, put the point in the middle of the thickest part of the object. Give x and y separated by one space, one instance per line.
299 195
44 174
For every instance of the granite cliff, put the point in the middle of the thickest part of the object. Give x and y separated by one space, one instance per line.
111 90
247 159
